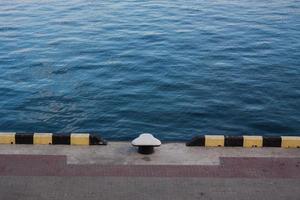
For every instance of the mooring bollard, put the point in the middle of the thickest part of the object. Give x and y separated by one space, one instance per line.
146 143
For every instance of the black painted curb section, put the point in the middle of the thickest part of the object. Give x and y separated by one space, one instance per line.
61 139
234 141
197 141
272 141
24 138
97 140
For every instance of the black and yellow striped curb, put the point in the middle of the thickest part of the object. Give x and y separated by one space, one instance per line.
245 141
50 138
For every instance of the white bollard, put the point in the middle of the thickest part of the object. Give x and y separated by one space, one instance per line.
146 143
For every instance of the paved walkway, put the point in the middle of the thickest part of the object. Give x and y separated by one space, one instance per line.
175 172
122 153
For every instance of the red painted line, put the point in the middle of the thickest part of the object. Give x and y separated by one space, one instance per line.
40 165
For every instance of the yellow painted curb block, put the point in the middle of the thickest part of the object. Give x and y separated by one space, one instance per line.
80 139
42 138
7 138
290 142
253 141
214 140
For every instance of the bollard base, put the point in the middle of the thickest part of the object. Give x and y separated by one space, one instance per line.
146 149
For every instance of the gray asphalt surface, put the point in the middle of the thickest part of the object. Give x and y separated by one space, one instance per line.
112 188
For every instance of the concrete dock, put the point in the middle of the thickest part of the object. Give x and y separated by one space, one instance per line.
117 171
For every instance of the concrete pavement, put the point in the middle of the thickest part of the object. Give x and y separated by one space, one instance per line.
122 153
175 171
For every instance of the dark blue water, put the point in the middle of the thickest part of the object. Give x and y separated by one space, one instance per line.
173 68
